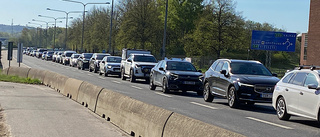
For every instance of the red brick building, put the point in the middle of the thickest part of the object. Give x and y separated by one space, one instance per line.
304 47
313 37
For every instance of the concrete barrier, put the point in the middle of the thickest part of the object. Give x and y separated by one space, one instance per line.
88 94
59 82
71 89
5 71
49 78
18 71
37 74
182 126
132 116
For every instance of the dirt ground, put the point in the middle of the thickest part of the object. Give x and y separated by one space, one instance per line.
4 132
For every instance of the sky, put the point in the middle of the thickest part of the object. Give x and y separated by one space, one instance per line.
290 15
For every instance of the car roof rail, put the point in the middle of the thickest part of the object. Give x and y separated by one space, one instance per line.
311 67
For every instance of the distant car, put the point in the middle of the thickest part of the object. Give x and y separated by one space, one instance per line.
83 60
49 55
239 81
40 52
176 75
34 53
58 56
66 56
297 93
95 60
54 56
110 65
43 55
74 59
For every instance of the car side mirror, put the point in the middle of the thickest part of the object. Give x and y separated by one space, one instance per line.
224 72
275 74
161 69
200 71
103 62
312 86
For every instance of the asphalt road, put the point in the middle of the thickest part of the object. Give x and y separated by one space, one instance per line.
258 120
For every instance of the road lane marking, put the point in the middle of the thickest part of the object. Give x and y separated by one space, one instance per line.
203 105
136 87
163 94
89 74
101 78
116 82
270 123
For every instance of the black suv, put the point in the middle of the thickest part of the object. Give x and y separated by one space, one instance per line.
176 75
83 60
239 81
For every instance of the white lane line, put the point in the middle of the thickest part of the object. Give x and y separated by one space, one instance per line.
89 74
101 78
270 123
116 82
136 87
203 105
163 94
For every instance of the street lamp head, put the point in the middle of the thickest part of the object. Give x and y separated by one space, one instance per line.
39 15
48 9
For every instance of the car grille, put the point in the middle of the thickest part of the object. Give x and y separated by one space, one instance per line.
146 68
264 88
188 77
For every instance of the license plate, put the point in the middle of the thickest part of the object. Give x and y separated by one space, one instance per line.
117 70
189 82
266 95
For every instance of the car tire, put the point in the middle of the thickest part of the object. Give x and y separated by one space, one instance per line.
122 75
100 73
90 70
106 74
207 96
282 109
82 68
132 77
165 86
232 97
151 85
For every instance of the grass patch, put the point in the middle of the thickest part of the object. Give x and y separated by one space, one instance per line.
17 79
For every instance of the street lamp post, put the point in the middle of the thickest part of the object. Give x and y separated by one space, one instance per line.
39 37
110 41
67 14
55 27
165 32
46 28
84 15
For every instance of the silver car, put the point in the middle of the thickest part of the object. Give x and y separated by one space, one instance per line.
74 59
110 65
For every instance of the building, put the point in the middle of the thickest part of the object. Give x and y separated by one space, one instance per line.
303 51
312 42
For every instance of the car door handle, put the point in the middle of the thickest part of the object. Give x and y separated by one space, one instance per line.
301 93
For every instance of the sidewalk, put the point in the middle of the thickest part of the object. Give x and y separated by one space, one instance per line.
39 111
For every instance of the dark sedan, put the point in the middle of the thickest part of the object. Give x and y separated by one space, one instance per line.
83 60
176 75
239 81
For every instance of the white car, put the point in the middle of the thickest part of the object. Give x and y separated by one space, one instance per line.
74 59
110 65
297 93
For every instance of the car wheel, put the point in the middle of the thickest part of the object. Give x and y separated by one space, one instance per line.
132 77
90 70
282 109
232 98
207 96
100 73
106 74
82 68
151 85
94 70
122 75
165 86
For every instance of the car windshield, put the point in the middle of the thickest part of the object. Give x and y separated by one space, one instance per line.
180 66
76 56
69 54
88 55
50 52
141 58
249 68
114 60
100 57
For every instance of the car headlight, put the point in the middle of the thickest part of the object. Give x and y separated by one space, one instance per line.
243 84
109 67
173 76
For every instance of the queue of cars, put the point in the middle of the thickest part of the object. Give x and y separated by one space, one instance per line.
239 81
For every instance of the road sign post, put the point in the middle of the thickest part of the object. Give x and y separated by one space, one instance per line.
0 50
20 53
10 48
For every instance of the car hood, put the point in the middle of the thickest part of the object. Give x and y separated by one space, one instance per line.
190 73
256 79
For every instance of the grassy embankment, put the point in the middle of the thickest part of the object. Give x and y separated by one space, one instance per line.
17 79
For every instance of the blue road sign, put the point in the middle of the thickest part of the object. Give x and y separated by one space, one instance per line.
275 41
